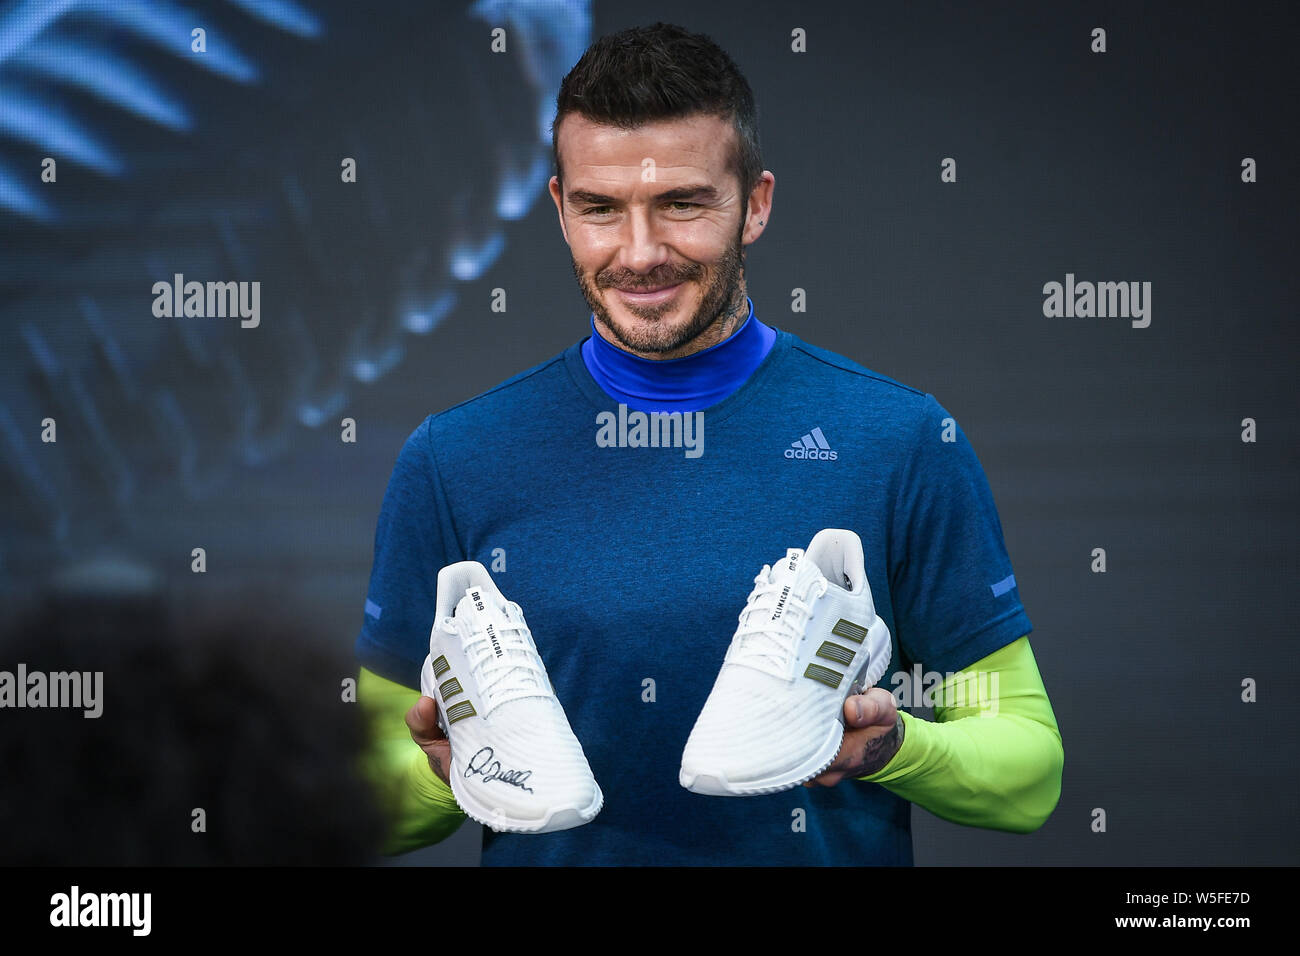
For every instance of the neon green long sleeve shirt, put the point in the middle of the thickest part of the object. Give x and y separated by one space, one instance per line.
421 808
1001 771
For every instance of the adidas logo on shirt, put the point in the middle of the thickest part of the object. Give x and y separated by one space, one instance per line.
812 447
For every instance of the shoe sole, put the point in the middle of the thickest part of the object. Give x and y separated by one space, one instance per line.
717 785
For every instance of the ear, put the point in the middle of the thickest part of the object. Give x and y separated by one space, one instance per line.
760 207
558 199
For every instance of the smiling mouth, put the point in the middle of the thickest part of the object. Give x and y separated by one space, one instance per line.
660 288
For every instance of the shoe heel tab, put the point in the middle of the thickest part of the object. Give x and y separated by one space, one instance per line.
460 571
838 552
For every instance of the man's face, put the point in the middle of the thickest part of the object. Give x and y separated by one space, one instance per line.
652 208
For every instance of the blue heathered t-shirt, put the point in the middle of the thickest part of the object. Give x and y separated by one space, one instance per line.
632 564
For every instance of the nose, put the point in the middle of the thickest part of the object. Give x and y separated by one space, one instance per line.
643 249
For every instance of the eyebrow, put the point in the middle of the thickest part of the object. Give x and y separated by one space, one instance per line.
702 191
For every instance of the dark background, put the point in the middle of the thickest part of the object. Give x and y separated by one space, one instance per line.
376 305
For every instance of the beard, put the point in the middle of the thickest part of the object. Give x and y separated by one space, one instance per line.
655 334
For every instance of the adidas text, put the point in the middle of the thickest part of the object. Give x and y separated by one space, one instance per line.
812 454
812 447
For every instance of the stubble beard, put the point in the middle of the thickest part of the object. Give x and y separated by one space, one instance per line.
660 337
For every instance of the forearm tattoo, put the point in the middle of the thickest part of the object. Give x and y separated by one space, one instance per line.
879 751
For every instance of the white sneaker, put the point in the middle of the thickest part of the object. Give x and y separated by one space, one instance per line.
515 763
807 639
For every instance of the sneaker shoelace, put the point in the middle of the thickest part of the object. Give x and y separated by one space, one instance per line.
517 672
766 644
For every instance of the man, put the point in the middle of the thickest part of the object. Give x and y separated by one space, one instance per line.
632 563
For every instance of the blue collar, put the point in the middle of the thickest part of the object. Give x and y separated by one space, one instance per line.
689 384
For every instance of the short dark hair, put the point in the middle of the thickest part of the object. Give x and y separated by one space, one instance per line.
656 72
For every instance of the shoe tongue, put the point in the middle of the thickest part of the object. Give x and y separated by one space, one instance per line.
479 606
795 572
477 603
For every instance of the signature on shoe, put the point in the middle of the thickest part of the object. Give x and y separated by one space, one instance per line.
483 764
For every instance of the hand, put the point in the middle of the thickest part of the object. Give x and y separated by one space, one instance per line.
871 737
422 719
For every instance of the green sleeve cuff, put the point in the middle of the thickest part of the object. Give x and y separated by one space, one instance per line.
420 807
994 760
427 785
910 756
